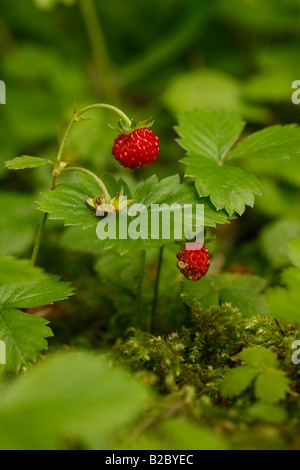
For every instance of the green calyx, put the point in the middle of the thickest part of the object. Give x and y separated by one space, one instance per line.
125 129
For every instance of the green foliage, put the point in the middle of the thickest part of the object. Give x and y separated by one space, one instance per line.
24 337
242 291
208 137
24 286
216 354
68 202
271 384
284 303
20 163
43 291
19 222
49 4
268 413
78 398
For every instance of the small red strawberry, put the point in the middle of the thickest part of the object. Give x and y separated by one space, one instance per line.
137 149
194 263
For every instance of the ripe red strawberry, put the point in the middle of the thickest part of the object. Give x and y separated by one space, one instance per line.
195 263
140 148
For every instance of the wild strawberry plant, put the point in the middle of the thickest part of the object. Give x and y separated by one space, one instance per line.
226 341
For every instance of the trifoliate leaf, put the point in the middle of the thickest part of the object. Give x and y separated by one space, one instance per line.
208 137
238 380
34 294
76 395
24 337
272 386
20 163
275 142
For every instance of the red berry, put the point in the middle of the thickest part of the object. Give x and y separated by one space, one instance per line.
194 263
140 148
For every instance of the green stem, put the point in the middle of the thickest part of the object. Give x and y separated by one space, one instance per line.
95 177
156 288
40 233
59 168
98 44
106 106
140 285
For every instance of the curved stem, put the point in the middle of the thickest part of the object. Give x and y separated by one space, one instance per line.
155 298
58 168
92 175
106 106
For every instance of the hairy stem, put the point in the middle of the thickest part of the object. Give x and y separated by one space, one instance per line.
59 168
156 289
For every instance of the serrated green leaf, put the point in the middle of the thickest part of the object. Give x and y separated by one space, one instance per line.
238 380
242 291
294 251
76 395
24 337
170 191
13 271
20 163
209 133
272 386
259 357
68 202
229 187
275 142
35 294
